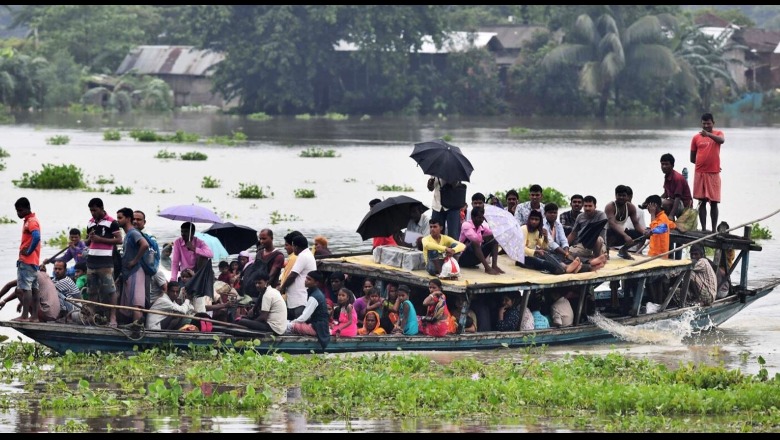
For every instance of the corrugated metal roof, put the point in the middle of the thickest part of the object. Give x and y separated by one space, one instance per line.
171 60
454 42
513 37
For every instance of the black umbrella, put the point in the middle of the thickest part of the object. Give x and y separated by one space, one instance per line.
588 235
440 159
235 238
388 217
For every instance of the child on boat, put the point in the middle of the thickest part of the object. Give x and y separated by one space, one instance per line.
407 315
344 316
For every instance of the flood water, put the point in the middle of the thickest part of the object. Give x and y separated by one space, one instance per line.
573 156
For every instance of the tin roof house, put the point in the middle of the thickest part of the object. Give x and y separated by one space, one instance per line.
185 69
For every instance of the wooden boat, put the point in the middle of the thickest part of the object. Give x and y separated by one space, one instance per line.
633 274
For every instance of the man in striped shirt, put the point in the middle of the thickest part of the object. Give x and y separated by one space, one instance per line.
102 237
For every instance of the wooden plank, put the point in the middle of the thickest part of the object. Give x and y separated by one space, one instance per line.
580 303
674 287
639 291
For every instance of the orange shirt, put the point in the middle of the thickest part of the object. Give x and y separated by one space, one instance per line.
707 152
659 243
30 224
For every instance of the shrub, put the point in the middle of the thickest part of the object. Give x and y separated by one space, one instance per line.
165 154
53 177
336 116
105 180
302 193
233 140
5 220
548 195
2 165
59 139
261 116
404 188
4 153
145 135
304 116
193 155
250 191
122 190
518 130
112 135
209 182
317 152
760 233
276 217
182 136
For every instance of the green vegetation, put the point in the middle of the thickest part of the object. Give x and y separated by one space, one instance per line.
303 117
53 177
349 180
193 155
61 239
251 191
112 135
4 153
549 195
104 180
179 137
302 193
200 199
277 217
165 154
614 393
2 165
59 139
119 190
5 220
79 108
231 141
336 116
209 182
447 138
399 188
318 152
260 116
518 130
760 233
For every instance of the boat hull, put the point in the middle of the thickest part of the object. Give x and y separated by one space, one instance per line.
80 339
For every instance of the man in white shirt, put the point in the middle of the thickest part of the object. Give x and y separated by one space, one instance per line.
419 225
270 311
294 285
169 303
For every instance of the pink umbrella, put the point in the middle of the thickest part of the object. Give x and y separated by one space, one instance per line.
190 213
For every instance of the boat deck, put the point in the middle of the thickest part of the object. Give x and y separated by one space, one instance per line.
475 280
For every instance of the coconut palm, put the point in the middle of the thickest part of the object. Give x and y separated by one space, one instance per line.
605 53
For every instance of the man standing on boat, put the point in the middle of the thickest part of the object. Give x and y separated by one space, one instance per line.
157 284
705 153
29 260
133 280
295 284
449 215
102 237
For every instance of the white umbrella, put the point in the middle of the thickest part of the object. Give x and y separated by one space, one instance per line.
507 232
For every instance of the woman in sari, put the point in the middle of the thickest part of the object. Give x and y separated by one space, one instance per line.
434 323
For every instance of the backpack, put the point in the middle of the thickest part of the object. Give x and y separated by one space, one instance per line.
151 260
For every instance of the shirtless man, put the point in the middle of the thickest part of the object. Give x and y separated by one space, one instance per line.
619 212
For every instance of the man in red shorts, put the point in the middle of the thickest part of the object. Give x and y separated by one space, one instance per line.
705 153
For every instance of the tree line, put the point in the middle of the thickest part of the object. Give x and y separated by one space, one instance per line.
613 59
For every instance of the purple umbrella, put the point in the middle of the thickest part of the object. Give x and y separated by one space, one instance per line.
190 213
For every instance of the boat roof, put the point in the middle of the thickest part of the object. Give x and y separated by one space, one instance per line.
475 280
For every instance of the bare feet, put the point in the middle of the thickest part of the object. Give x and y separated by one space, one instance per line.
498 269
20 319
492 271
574 266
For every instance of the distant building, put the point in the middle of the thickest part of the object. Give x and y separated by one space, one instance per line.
185 69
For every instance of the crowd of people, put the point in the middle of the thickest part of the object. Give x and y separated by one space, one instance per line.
282 291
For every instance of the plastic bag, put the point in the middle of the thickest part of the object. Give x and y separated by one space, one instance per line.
450 268
688 220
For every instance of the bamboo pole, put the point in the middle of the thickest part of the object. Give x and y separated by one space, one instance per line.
157 312
702 239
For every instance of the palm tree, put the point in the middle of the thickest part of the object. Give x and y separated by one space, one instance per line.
703 61
605 54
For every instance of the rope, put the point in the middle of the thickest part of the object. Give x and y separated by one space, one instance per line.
702 239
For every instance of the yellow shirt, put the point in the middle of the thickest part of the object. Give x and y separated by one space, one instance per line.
445 241
288 268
